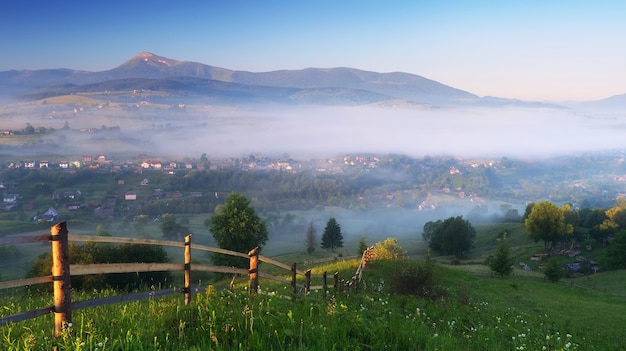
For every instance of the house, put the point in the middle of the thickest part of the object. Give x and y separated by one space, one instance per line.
29 164
74 206
50 215
9 198
130 196
151 164
43 164
64 164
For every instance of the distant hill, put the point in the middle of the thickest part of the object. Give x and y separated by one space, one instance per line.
310 85
211 91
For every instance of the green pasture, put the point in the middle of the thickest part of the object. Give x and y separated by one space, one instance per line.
472 313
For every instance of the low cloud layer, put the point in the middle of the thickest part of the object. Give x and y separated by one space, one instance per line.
313 131
469 132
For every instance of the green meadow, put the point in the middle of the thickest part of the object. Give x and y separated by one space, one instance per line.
468 312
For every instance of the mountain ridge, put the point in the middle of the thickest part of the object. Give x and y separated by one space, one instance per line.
372 86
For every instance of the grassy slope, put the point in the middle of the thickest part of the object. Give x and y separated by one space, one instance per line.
475 313
490 313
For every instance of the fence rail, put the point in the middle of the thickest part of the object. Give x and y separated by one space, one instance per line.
62 272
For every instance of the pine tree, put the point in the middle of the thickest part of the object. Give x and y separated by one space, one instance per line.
553 270
332 237
501 264
310 239
362 245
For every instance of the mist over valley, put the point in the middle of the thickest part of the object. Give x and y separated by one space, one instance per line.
387 152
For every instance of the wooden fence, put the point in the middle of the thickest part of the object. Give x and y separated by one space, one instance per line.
62 272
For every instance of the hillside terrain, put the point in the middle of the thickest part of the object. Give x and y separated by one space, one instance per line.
150 72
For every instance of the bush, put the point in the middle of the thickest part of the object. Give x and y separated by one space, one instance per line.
107 253
388 250
415 278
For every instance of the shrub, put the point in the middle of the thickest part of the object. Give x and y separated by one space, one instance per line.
388 250
415 278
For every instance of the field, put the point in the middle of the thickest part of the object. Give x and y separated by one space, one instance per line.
472 309
472 313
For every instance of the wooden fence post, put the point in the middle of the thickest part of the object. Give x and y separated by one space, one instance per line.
293 278
307 281
187 288
254 270
325 282
61 280
336 282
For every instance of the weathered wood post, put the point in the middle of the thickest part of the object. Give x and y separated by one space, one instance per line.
336 282
187 288
293 278
307 281
325 282
61 280
254 270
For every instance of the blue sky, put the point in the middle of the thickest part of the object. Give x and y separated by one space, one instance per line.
531 50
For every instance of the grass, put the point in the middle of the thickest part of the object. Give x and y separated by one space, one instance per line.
473 313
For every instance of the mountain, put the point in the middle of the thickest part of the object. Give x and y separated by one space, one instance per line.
210 90
312 85
610 104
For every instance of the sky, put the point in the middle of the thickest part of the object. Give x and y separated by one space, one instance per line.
556 50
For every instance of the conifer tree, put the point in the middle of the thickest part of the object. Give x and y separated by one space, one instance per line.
332 237
501 264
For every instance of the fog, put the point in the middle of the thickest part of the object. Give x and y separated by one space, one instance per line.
313 131
304 132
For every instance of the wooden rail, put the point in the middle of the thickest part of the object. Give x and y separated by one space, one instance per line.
62 272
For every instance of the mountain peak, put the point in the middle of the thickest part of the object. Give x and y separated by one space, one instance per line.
151 59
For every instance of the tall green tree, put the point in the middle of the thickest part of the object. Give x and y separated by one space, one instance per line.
310 239
237 228
616 251
332 237
547 222
362 245
553 270
502 263
454 236
171 228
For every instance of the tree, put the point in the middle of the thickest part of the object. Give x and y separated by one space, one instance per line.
332 237
171 228
501 263
29 129
547 222
237 228
615 217
553 270
362 245
616 251
310 239
454 236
